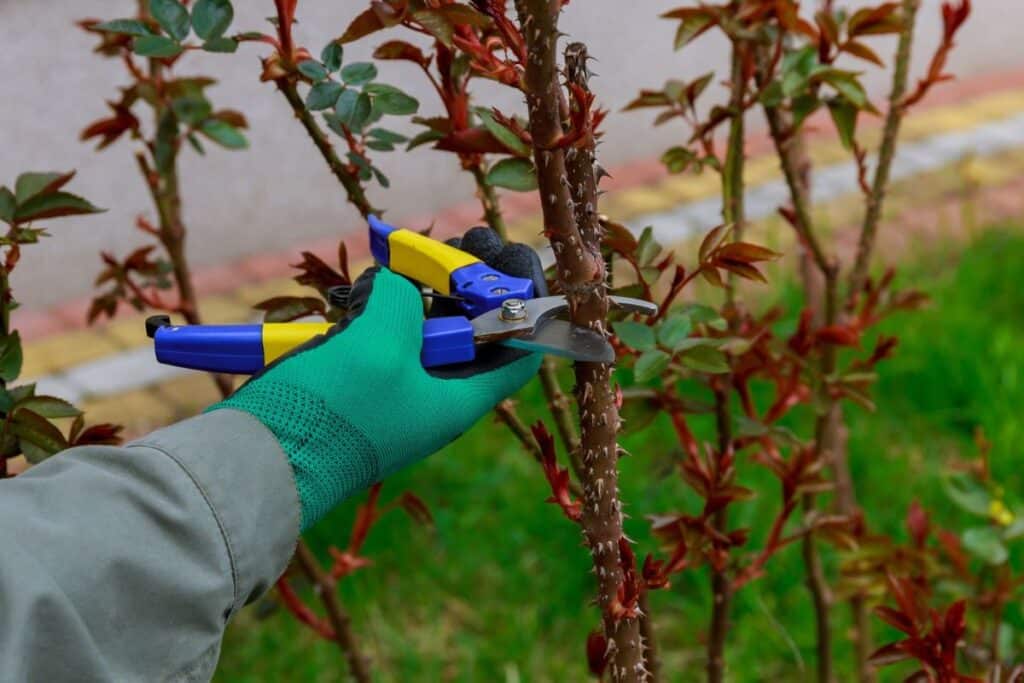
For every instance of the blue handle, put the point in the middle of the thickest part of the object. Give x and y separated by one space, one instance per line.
238 349
480 287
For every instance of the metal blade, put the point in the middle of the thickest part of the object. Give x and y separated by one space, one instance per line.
632 305
561 338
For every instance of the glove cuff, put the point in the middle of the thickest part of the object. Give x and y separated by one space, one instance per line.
331 458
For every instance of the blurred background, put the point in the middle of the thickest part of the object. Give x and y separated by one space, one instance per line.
277 195
496 587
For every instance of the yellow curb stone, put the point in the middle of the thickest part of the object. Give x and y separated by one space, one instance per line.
45 356
281 286
68 349
139 411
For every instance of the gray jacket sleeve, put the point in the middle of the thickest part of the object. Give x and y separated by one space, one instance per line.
125 564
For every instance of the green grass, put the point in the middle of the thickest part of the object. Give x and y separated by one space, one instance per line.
498 590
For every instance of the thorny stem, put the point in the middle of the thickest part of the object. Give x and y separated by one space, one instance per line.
650 639
858 275
817 583
164 190
886 152
558 402
348 180
785 140
581 271
561 410
326 588
721 590
732 213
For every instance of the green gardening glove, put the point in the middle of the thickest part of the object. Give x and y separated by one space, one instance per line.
353 406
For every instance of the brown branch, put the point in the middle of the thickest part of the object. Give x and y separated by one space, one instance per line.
507 415
787 147
650 639
489 201
581 272
890 134
733 212
784 139
164 191
326 589
349 181
561 410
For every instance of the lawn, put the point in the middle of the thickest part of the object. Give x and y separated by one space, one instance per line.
498 589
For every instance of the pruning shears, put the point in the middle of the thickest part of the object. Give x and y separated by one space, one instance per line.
497 308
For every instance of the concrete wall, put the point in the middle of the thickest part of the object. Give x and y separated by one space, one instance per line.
278 192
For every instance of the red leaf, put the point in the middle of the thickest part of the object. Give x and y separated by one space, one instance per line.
838 335
401 50
558 478
597 653
918 524
896 619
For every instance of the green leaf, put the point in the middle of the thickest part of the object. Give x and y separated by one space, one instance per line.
332 55
385 135
54 205
803 106
7 204
358 73
196 145
223 134
313 70
28 185
772 95
222 44
647 247
192 109
10 356
701 314
690 28
165 149
678 159
211 18
323 95
424 138
674 330
504 135
844 116
156 46
130 27
49 406
985 543
848 86
390 100
172 17
650 365
967 493
37 436
353 108
705 359
635 335
437 23
515 174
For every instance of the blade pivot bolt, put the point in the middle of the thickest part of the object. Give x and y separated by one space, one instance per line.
513 310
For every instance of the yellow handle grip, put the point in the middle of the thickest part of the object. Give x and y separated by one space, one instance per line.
280 338
426 260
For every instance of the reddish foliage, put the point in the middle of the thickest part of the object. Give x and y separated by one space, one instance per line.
558 478
953 18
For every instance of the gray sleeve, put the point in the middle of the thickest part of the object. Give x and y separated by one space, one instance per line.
125 564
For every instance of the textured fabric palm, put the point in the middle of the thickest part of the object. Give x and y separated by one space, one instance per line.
356 405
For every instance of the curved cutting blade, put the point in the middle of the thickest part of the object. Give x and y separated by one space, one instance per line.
561 338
